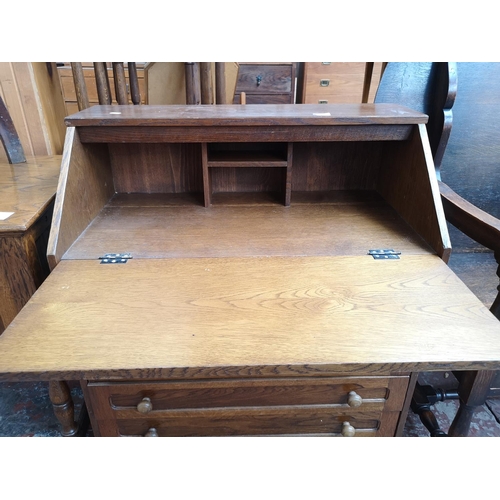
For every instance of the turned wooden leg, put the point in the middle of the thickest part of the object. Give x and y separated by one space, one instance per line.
60 396
473 390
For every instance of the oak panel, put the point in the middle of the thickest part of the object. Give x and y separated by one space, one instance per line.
343 223
203 317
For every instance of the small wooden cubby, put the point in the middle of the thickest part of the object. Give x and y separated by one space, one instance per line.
265 156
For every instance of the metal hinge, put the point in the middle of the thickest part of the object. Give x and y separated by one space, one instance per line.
387 253
115 258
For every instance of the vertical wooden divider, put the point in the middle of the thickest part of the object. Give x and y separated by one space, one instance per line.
288 179
207 185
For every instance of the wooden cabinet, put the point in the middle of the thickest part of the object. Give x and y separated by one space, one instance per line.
241 314
335 82
367 406
27 192
266 83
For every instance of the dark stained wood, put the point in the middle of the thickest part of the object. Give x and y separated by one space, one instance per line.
9 137
207 90
120 83
231 133
426 87
165 168
260 115
220 83
367 81
134 83
336 165
268 83
60 397
102 83
82 97
293 421
193 83
122 400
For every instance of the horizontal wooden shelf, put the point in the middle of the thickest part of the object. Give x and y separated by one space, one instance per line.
246 159
246 224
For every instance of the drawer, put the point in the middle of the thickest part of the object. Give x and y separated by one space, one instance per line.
265 99
264 78
332 68
133 400
305 421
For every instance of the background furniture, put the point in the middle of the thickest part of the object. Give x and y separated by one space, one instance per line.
460 100
335 82
27 192
266 83
88 76
32 93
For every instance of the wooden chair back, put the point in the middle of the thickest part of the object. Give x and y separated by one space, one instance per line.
104 92
9 137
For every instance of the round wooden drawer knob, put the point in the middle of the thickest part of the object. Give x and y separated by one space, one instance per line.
145 406
152 433
348 430
354 400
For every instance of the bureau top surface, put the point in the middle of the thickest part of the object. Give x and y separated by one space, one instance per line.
247 115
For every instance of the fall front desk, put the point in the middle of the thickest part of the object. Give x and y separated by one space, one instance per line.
247 270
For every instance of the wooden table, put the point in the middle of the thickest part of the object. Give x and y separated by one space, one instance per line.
27 193
250 304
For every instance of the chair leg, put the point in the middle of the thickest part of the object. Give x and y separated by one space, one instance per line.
473 391
424 397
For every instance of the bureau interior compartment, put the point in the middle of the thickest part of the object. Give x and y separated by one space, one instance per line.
346 197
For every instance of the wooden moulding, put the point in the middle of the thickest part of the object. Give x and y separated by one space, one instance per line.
230 133
408 182
85 185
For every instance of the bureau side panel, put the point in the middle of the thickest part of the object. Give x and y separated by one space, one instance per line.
408 182
85 186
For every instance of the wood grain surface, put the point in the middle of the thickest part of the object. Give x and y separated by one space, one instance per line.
344 223
85 185
223 317
27 189
258 114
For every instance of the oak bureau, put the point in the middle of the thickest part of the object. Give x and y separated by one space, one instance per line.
247 270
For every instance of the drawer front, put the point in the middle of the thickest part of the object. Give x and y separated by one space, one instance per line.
308 421
264 78
133 400
265 99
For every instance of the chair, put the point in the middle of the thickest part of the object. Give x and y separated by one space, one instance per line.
9 137
103 86
463 104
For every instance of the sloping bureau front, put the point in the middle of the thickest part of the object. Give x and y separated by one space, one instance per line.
245 316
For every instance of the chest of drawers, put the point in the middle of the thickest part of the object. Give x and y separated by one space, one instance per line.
266 83
239 297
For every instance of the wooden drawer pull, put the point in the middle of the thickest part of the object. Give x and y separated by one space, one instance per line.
145 406
354 400
152 433
348 430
